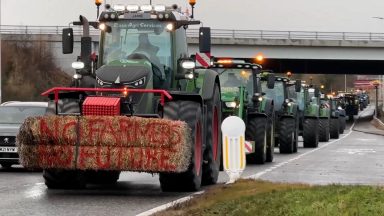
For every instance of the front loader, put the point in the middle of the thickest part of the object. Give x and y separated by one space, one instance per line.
242 97
136 106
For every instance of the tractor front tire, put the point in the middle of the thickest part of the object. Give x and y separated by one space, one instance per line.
190 180
212 153
311 133
334 128
287 135
324 130
256 130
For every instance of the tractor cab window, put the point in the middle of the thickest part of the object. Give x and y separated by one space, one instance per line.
277 93
232 79
147 39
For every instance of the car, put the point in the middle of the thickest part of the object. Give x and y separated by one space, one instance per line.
12 115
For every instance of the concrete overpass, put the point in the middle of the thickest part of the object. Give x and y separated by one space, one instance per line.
297 51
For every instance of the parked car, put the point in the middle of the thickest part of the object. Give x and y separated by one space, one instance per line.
12 115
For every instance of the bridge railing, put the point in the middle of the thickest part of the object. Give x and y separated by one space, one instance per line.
218 33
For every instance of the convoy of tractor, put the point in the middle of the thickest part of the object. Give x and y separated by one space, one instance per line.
141 104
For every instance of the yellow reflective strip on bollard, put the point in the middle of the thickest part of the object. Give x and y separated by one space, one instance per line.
241 152
226 153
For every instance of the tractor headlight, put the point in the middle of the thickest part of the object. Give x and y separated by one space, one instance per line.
77 76
339 108
289 104
260 99
78 65
231 104
136 83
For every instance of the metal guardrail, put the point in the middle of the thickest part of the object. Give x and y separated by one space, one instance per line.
219 33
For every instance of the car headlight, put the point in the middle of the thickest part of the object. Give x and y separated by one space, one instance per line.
231 104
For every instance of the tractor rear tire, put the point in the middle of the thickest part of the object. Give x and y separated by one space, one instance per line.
256 130
212 153
311 133
341 124
102 177
324 130
270 140
287 135
334 128
64 179
190 180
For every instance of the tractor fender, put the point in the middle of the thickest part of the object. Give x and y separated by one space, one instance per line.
176 95
211 78
268 108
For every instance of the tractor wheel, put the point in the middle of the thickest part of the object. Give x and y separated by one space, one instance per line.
341 124
296 135
64 179
311 133
190 180
270 140
334 128
324 130
287 135
102 177
212 153
256 130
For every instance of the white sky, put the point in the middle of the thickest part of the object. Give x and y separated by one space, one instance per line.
306 15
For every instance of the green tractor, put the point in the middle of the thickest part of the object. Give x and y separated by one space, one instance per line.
309 111
286 112
242 96
143 75
325 118
338 117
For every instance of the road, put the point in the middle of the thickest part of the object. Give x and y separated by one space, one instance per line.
356 158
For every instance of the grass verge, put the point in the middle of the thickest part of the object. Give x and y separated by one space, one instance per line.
248 197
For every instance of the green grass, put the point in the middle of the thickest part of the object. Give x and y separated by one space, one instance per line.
264 198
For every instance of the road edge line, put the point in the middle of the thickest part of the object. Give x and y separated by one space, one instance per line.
169 204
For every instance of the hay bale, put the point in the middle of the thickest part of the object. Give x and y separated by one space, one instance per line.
105 143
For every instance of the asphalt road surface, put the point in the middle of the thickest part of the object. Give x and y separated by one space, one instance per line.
355 158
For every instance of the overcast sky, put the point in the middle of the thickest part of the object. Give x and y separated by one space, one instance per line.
307 15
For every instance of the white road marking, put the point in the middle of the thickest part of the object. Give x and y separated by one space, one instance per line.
170 204
356 151
259 174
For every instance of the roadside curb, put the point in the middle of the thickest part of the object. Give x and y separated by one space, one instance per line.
370 118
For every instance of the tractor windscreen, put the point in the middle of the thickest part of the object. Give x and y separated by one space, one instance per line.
277 93
148 38
232 79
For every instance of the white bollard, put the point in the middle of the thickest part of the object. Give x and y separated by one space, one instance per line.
233 129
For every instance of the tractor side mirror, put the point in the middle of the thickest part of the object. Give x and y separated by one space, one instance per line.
298 86
271 81
67 40
205 40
